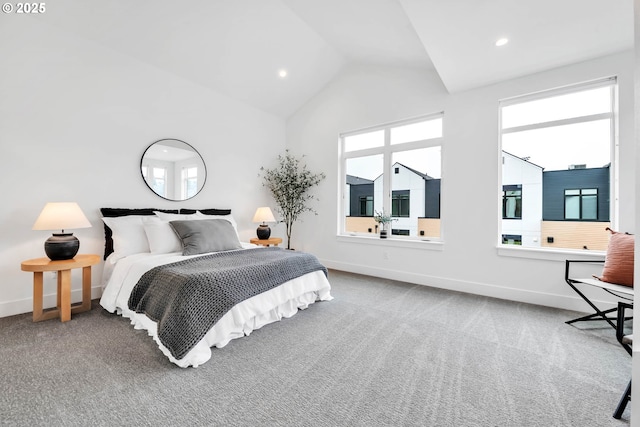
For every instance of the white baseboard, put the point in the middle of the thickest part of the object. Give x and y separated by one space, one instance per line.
11 308
485 289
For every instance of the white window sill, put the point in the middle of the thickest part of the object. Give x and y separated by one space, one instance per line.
548 254
435 245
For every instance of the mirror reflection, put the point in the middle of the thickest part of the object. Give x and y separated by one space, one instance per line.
173 169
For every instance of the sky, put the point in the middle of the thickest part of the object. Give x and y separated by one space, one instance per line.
573 137
556 148
425 160
554 132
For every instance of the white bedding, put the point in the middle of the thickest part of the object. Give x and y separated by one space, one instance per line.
120 277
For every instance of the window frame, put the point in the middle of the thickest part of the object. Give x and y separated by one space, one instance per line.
186 179
514 237
368 203
401 200
386 150
612 115
518 188
154 179
580 195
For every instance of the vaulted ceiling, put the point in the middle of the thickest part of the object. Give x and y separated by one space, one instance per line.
238 47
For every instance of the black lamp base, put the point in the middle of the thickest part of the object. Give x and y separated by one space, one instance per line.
61 246
263 232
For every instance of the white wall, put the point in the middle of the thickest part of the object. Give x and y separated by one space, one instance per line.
75 118
469 259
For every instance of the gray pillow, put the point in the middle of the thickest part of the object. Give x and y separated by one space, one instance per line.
207 235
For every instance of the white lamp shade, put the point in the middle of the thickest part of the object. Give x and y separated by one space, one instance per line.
264 214
61 216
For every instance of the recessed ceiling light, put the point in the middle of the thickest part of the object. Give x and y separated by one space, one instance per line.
502 41
282 73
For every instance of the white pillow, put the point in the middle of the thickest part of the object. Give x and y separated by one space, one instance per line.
175 217
128 234
162 238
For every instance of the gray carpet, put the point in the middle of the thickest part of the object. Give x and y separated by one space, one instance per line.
382 353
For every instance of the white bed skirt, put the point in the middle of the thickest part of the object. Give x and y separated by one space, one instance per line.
271 306
247 316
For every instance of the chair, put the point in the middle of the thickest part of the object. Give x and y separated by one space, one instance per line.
627 342
619 291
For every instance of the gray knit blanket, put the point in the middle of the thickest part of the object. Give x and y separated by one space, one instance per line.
188 297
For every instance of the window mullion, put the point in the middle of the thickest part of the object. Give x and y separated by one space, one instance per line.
424 143
614 188
555 123
363 153
386 180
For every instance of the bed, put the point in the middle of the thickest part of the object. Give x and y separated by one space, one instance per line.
167 279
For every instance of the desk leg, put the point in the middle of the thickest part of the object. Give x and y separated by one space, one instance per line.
64 276
37 295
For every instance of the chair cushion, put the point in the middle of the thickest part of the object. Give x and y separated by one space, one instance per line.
618 265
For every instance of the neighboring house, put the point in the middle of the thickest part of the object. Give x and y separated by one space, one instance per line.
359 197
521 201
564 208
576 208
415 203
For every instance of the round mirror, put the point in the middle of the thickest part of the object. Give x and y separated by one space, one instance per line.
173 169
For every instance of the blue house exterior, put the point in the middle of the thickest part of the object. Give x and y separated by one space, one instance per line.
556 185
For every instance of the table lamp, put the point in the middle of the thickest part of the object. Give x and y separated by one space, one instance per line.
61 216
263 215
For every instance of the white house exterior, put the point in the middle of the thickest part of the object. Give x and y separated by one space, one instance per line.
517 171
403 179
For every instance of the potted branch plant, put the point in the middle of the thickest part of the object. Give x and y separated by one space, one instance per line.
290 183
383 219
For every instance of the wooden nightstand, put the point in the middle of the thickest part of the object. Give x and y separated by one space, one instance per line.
275 241
63 308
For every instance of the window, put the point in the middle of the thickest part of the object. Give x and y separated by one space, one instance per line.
159 182
511 202
557 148
189 182
395 169
400 203
511 239
581 204
399 232
366 206
156 178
